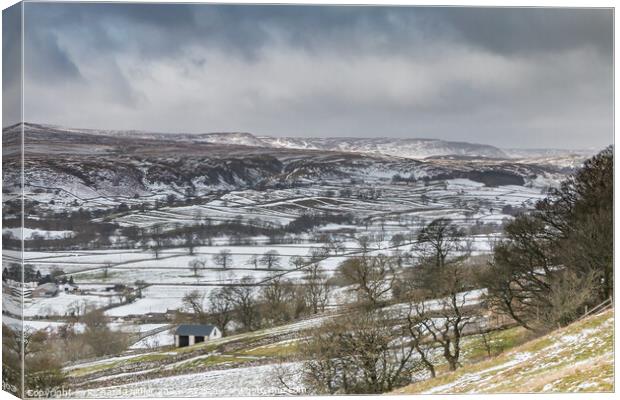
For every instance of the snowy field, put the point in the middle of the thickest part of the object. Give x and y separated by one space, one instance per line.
243 381
400 209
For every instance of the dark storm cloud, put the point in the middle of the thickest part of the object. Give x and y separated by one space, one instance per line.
45 59
529 30
457 73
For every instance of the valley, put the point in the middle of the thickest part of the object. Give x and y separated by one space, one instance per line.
131 225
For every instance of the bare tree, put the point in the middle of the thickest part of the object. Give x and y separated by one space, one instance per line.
364 242
106 268
526 281
360 352
196 265
418 335
316 289
191 241
253 261
194 301
373 277
124 294
157 236
317 254
439 239
243 298
270 259
297 262
278 298
140 285
444 319
221 307
223 258
483 332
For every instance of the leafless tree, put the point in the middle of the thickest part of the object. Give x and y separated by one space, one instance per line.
278 298
439 239
244 300
444 319
270 259
197 264
158 239
316 289
360 352
483 332
297 262
373 277
253 261
419 338
106 268
223 258
191 241
221 306
194 301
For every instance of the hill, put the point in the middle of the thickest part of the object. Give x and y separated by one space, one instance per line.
137 164
399 147
577 358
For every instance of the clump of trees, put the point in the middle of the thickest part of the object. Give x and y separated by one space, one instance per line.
99 337
306 222
372 349
558 260
254 306
45 352
359 353
42 369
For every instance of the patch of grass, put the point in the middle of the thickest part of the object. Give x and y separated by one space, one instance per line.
199 347
211 361
78 372
597 377
500 341
147 358
272 350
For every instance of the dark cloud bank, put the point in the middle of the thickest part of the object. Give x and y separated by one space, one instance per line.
510 77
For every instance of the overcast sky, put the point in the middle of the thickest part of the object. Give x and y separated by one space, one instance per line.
507 77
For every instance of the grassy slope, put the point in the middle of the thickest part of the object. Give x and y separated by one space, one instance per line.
268 345
572 359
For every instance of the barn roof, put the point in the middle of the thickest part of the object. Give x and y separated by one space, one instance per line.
194 330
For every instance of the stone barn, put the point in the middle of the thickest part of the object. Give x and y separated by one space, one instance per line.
187 335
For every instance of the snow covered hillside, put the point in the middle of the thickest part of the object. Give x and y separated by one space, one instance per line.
130 165
399 147
578 358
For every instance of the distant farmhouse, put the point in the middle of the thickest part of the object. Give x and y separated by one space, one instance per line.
70 287
187 335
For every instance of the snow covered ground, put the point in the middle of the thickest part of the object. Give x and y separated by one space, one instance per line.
400 209
576 358
244 381
65 304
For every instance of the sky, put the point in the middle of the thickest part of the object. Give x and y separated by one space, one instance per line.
510 77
